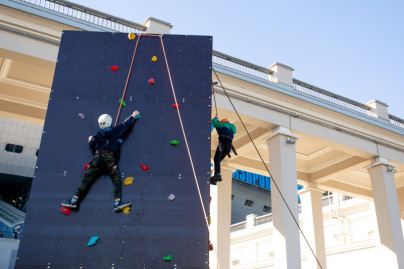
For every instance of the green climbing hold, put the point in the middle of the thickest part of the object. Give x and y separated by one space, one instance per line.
122 102
168 258
174 142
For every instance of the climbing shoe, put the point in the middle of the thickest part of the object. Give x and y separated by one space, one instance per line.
69 203
217 177
121 205
212 181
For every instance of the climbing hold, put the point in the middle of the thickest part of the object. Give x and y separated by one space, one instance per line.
86 166
176 106
122 102
137 116
126 210
174 142
151 81
114 68
210 220
131 36
168 258
93 240
144 167
119 140
171 197
65 210
81 115
210 246
154 59
128 181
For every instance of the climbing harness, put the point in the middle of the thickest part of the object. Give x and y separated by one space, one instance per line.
266 167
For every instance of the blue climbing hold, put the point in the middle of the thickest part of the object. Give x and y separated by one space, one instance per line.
137 116
120 140
93 240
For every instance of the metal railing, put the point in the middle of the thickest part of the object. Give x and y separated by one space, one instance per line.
306 88
240 65
89 15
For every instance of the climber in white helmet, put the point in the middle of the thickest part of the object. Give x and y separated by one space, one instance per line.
105 145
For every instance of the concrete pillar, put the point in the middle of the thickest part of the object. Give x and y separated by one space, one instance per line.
156 26
379 108
220 213
282 159
281 74
381 174
312 216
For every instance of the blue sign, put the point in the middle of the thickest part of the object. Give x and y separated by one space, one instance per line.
257 180
254 179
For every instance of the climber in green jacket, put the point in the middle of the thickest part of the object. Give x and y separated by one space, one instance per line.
226 131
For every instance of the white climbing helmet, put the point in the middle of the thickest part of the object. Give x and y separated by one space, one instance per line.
104 121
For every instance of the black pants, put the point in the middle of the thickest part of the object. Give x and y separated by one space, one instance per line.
222 150
101 164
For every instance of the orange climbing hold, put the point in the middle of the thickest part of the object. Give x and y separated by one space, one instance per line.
128 181
176 106
144 167
65 210
151 81
131 36
126 210
114 68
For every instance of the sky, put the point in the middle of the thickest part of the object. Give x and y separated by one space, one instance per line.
351 48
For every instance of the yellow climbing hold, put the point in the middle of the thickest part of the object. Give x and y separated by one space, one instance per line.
131 36
154 59
126 210
128 181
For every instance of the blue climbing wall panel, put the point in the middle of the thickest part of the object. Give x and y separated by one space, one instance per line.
155 226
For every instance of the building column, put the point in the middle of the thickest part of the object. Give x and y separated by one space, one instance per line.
381 174
220 213
312 216
282 160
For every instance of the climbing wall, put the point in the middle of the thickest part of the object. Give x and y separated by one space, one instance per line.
90 78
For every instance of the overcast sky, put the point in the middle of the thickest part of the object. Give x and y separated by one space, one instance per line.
352 48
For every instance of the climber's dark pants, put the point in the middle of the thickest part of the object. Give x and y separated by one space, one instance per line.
101 164
222 150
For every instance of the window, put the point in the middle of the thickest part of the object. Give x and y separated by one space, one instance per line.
248 203
13 148
266 209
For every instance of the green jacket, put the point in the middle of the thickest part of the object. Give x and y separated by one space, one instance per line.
224 128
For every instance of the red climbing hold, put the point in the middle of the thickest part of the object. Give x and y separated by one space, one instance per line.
210 246
151 81
114 68
86 166
144 167
65 210
176 106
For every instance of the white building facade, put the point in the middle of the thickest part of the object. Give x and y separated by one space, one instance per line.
299 133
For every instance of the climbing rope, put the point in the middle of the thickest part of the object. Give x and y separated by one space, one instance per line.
180 119
272 178
126 84
187 146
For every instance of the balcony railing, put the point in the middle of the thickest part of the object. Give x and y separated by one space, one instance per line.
89 15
